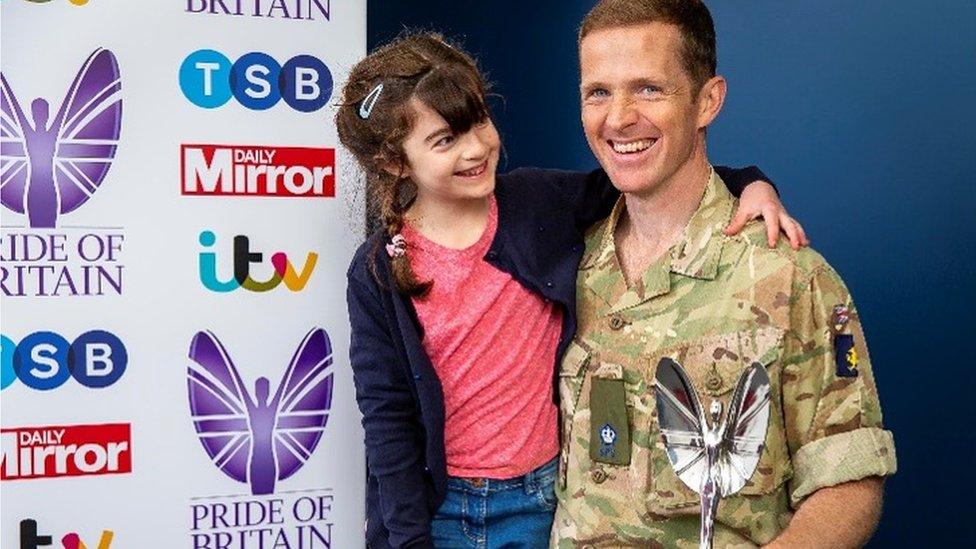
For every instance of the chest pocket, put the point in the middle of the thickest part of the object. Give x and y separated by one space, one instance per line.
714 364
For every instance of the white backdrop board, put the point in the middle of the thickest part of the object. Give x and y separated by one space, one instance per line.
176 226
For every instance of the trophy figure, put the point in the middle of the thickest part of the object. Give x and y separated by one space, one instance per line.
714 455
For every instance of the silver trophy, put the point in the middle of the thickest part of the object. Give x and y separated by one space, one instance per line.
715 455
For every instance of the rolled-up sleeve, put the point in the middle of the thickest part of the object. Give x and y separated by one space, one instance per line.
830 401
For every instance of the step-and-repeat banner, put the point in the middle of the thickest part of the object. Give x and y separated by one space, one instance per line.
176 226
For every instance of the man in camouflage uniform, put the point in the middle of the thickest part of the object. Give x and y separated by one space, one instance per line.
660 279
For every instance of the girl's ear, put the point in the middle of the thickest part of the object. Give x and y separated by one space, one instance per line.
398 170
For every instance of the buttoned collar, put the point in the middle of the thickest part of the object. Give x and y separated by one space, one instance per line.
696 254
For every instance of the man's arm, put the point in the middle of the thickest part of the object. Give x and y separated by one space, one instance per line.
838 445
839 516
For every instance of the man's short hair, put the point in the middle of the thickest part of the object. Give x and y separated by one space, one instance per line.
691 16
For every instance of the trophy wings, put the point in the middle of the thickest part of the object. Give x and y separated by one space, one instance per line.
744 429
679 415
683 426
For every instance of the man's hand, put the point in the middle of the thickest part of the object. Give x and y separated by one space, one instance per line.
760 199
839 516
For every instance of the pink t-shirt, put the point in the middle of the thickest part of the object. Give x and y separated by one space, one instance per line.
493 345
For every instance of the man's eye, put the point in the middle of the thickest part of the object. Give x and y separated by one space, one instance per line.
650 90
598 93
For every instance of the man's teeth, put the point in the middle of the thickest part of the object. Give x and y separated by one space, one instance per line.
633 146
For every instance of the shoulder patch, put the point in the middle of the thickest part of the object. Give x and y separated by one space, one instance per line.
845 356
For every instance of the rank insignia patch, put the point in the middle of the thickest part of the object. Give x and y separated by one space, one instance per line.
845 356
608 436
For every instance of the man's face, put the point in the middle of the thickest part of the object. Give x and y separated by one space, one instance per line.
640 112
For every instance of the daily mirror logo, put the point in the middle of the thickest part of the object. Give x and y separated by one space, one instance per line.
259 436
51 165
308 10
65 451
253 170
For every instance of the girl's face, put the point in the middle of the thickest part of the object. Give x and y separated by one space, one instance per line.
448 167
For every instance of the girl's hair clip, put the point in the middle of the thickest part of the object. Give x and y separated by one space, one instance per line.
397 247
366 106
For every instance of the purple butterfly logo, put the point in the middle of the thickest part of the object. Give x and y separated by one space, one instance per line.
51 169
262 441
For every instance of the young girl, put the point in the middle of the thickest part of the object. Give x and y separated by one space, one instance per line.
461 303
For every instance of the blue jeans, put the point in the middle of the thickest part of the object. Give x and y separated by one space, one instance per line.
488 513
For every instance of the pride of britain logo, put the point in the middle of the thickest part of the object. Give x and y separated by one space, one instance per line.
259 441
49 167
53 168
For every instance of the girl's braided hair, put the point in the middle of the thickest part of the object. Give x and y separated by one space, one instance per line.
375 117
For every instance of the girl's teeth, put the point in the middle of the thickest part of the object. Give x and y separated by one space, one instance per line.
473 171
633 147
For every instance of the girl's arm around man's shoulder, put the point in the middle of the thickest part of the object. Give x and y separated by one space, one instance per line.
591 195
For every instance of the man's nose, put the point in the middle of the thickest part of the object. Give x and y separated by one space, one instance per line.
623 113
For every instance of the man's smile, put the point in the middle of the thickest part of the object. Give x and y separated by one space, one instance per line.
631 147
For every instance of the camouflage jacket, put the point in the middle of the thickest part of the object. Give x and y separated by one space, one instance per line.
715 304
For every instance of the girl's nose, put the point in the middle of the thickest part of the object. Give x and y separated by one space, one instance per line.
474 146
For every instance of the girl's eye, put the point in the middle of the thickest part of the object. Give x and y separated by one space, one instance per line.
444 141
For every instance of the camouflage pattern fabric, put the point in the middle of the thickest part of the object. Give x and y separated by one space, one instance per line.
715 304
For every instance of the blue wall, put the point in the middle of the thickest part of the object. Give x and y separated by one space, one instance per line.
864 113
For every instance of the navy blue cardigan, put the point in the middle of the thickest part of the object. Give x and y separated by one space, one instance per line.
542 215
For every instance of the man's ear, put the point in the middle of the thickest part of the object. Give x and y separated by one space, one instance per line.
710 100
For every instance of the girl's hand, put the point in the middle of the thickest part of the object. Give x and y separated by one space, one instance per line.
760 199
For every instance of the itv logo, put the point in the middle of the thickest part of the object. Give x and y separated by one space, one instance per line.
75 2
31 539
283 271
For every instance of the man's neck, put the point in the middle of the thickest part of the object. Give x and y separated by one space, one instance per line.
654 221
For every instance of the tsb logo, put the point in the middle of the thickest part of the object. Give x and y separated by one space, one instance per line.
246 170
65 451
45 360
284 271
208 79
30 539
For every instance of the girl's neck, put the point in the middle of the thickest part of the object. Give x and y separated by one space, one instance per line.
455 224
